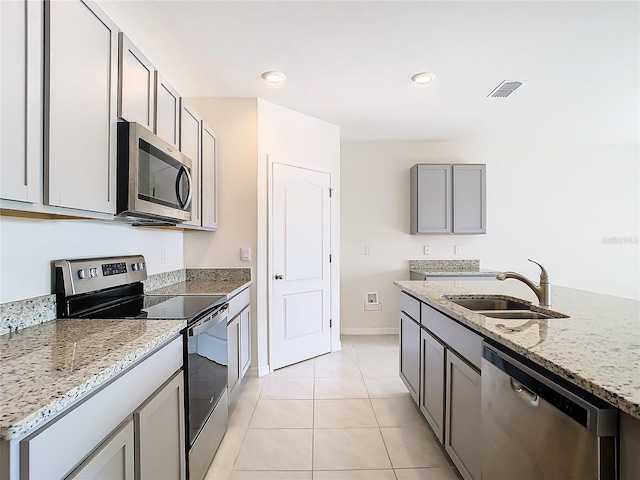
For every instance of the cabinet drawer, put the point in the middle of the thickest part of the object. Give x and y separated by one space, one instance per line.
239 302
459 338
410 306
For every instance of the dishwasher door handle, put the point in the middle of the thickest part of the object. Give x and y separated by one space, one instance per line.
524 393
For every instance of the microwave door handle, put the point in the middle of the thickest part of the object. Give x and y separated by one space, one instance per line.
183 171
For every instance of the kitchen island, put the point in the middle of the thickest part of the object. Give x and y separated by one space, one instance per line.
594 349
597 348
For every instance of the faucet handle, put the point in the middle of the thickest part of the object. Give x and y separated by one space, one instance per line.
543 273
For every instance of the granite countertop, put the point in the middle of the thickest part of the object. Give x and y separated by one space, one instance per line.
482 272
203 287
46 368
597 348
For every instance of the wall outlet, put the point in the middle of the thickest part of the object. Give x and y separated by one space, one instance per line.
371 297
163 256
245 254
457 249
427 249
368 250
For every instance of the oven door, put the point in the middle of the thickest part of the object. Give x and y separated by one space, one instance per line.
206 365
154 179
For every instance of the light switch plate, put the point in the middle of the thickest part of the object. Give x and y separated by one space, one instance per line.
245 254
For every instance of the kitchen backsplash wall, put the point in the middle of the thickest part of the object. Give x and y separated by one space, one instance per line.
28 246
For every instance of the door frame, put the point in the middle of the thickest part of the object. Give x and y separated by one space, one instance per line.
271 160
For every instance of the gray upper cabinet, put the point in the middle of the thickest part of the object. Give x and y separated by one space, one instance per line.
469 199
167 121
448 198
81 65
190 143
21 39
209 175
136 99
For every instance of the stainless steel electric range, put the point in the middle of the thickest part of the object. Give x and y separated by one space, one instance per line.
110 288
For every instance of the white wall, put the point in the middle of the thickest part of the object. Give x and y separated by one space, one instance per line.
290 137
27 247
552 203
234 121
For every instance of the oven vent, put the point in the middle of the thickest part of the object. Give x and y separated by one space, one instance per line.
506 88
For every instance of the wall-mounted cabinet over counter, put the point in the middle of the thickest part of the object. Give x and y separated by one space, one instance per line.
448 198
64 98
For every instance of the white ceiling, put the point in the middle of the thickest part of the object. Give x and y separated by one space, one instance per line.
349 63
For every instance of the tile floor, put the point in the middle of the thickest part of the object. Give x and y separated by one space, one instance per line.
342 416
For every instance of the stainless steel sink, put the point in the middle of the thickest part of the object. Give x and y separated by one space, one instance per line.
497 306
489 303
517 315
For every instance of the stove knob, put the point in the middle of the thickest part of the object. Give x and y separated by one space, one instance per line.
82 273
134 267
141 266
93 272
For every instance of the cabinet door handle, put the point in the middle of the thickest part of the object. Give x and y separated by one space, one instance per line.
279 276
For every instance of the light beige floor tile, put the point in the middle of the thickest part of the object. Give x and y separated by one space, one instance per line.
270 475
399 411
288 388
385 387
275 449
282 414
337 369
377 367
343 413
392 340
240 412
349 449
299 370
412 447
250 388
222 464
354 475
340 387
437 473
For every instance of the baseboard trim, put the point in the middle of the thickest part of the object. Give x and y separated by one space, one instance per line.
370 331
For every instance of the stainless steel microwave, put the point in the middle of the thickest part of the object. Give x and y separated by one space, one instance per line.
154 179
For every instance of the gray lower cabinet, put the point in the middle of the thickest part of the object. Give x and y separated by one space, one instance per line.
113 460
81 80
410 354
239 338
629 447
432 362
448 198
96 436
464 435
160 438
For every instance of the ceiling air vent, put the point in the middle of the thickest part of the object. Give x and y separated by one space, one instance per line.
505 89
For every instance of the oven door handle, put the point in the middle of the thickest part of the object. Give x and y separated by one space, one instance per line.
209 321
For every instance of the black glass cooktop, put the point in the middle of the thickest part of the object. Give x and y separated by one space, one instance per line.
157 307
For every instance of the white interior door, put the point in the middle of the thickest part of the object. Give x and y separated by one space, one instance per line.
300 267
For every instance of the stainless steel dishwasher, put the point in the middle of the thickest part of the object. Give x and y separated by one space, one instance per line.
535 429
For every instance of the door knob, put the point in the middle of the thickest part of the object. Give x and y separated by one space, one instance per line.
279 277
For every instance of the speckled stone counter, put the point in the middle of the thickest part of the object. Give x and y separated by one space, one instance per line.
46 368
458 273
596 348
203 287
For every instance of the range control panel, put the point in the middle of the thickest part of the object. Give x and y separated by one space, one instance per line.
91 274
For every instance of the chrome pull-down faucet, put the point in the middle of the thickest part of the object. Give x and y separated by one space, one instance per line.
542 291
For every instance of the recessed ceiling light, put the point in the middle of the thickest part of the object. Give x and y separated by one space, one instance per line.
274 77
423 77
